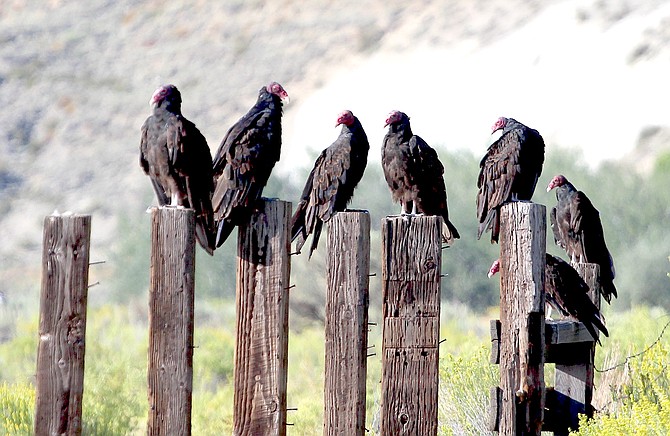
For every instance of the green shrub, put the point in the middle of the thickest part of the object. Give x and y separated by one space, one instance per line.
17 404
465 382
644 405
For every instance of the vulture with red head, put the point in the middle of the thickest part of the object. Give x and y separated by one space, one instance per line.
176 157
415 174
331 183
244 160
567 292
508 172
578 230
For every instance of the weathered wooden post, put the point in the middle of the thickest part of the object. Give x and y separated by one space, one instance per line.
171 296
62 326
573 380
411 264
347 300
261 350
522 341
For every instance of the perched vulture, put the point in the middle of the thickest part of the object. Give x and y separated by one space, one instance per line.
245 158
175 156
578 230
331 183
414 173
567 292
508 172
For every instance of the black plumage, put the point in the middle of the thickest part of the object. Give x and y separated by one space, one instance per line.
330 185
567 292
176 157
508 172
414 173
577 229
245 159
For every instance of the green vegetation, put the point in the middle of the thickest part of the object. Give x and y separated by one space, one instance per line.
633 208
633 395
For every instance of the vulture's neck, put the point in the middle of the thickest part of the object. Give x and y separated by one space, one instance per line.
565 191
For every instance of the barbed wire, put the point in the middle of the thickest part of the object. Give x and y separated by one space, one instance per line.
636 355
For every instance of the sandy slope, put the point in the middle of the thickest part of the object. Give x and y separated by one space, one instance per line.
75 78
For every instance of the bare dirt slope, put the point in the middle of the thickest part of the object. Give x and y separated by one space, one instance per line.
75 79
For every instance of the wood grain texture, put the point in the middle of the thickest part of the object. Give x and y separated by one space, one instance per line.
347 301
171 297
411 265
62 325
573 381
522 263
261 350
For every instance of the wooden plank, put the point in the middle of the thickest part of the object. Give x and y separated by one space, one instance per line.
171 299
573 382
411 264
494 330
566 332
495 404
522 262
562 339
347 301
261 350
62 325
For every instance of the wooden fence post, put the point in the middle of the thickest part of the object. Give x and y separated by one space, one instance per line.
522 342
411 265
573 381
62 326
171 295
347 300
261 350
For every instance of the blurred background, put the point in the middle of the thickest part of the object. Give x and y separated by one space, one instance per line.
76 78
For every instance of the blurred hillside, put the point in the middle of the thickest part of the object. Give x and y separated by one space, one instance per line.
75 79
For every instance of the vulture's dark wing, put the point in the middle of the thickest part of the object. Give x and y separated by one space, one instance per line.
587 240
243 164
235 135
432 192
498 168
331 183
320 196
193 161
148 150
568 293
555 228
398 166
176 157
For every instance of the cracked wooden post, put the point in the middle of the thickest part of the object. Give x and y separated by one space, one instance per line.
171 297
261 349
347 300
411 264
522 341
62 325
573 380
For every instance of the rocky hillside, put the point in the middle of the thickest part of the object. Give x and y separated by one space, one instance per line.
75 79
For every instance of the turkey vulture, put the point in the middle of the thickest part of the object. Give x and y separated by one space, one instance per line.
567 292
508 172
245 158
414 173
578 230
331 183
176 157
